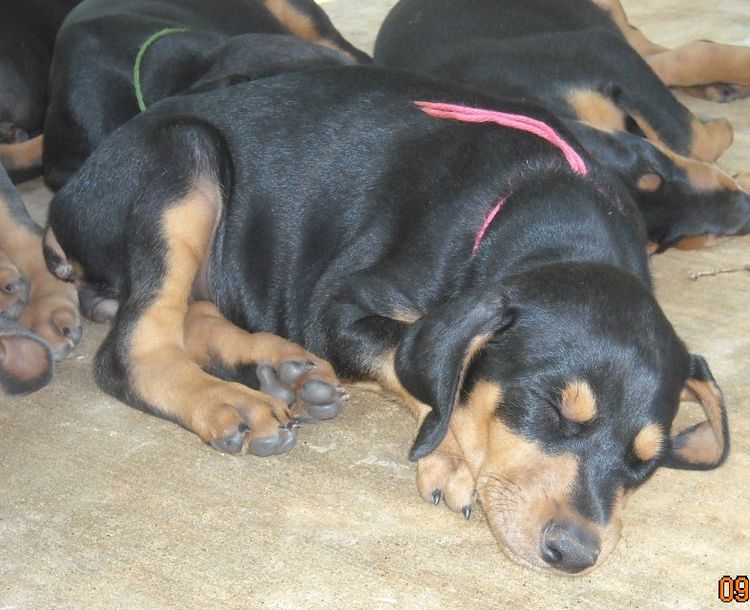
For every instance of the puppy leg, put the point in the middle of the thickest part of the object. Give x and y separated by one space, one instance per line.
25 360
279 367
306 20
633 35
718 72
143 360
23 158
52 307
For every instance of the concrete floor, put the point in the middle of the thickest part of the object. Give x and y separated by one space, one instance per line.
105 507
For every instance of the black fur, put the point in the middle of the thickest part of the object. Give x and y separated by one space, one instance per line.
92 90
539 51
27 36
345 206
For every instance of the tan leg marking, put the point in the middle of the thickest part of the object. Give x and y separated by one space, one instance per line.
633 35
23 155
210 336
51 311
595 109
708 138
162 373
697 65
703 63
300 25
707 442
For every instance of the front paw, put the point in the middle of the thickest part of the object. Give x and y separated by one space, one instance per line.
14 289
55 318
234 419
308 386
445 475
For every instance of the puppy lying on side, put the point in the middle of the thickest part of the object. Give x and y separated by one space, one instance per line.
583 60
207 56
113 58
27 36
463 253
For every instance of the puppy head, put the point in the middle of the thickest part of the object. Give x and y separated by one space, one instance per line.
561 396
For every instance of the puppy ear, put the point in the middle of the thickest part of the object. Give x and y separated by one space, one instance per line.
25 360
435 352
705 445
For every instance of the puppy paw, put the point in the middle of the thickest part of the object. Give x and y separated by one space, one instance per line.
14 290
244 421
311 389
444 475
52 313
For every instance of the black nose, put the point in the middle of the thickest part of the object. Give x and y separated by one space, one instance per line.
568 547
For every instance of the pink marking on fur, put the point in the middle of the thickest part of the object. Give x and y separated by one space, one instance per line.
539 128
486 224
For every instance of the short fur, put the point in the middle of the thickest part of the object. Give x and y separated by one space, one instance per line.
328 208
582 60
92 90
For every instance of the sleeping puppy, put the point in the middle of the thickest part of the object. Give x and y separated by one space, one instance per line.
585 62
113 58
39 319
27 36
203 60
463 253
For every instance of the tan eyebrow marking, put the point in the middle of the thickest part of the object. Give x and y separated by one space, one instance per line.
578 403
648 442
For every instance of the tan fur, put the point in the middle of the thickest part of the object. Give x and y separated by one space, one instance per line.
299 24
22 359
707 443
649 182
648 442
635 37
22 155
52 304
578 403
702 63
708 139
161 372
596 110
521 488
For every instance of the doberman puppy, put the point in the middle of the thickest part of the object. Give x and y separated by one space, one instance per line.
39 318
27 35
585 62
115 57
462 253
93 92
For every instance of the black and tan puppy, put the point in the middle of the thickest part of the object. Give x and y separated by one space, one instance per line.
113 58
582 60
464 254
39 318
27 36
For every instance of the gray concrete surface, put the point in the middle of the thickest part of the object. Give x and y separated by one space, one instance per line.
102 506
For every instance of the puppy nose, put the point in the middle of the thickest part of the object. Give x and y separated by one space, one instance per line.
568 547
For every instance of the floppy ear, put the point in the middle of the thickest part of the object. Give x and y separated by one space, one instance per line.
435 352
705 445
25 360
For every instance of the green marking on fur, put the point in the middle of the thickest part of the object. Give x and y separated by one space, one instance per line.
139 58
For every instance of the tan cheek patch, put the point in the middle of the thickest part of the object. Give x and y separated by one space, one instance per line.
648 442
578 403
649 182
